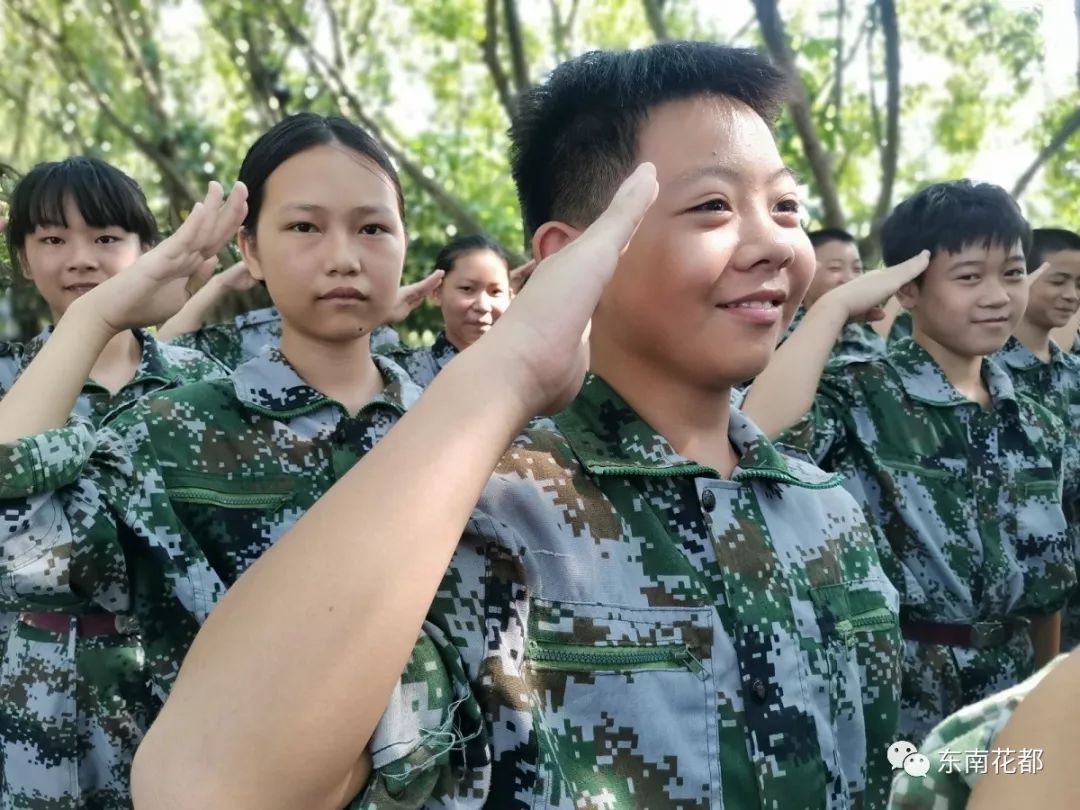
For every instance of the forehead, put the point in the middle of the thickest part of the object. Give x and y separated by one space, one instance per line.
682 136
480 264
836 249
1064 260
331 176
978 252
73 217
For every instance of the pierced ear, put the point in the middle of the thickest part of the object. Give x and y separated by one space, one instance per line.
246 241
551 237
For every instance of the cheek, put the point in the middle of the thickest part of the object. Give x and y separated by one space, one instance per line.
114 261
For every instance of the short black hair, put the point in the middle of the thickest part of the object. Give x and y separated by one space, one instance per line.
104 195
574 137
950 217
826 235
1045 241
298 133
461 245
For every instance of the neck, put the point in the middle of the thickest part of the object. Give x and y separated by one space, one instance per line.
693 420
963 371
118 362
341 370
1034 338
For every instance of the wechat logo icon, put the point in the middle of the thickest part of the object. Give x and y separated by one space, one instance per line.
903 755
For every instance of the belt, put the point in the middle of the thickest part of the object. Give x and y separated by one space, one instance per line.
92 624
978 636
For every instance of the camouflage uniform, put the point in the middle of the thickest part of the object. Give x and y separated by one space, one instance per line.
234 342
155 516
901 327
424 363
64 693
953 773
1057 384
10 363
637 631
967 504
857 341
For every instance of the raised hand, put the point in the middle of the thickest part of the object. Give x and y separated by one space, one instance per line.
235 278
156 286
861 298
541 342
519 275
410 296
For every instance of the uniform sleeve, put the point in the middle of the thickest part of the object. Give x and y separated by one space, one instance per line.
220 342
431 733
821 433
55 491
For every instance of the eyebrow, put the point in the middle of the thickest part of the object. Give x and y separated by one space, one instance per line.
360 209
980 263
733 174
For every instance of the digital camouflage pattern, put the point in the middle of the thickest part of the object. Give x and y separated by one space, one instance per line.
637 631
72 707
856 342
1057 385
10 363
901 327
234 342
953 772
425 363
153 518
967 504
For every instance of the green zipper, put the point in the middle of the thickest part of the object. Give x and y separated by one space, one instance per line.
871 620
589 658
213 498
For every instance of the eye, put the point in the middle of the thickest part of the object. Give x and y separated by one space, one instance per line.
303 227
789 206
373 230
1016 272
968 277
466 288
51 240
712 206
108 239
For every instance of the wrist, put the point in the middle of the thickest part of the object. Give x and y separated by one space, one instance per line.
84 318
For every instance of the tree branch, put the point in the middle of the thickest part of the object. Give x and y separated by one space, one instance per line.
826 89
838 69
491 58
1069 128
451 205
890 154
776 40
654 13
517 45
134 55
335 35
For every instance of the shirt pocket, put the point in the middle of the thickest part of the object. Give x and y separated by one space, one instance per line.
1043 544
624 705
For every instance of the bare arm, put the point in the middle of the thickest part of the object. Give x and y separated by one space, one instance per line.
278 698
1045 632
783 393
145 293
197 311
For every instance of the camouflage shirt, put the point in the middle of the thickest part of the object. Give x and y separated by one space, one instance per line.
72 706
857 341
10 363
157 515
901 327
961 750
1056 384
424 363
637 631
968 507
235 342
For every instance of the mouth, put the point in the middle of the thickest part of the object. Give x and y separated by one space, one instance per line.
1002 321
79 289
344 294
764 307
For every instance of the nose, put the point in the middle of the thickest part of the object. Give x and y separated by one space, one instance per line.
483 302
995 294
763 244
340 257
82 256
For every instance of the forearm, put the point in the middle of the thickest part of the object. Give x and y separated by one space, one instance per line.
884 326
1045 632
194 314
44 395
298 661
783 393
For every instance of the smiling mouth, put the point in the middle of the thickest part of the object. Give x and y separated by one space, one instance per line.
80 287
752 305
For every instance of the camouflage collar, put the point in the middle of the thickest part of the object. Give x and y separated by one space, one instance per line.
796 319
609 438
258 317
1017 356
443 350
269 384
924 380
152 366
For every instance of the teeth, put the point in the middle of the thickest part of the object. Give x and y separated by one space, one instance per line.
752 305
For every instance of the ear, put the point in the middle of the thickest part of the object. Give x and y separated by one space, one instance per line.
24 265
436 294
908 295
551 237
248 251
